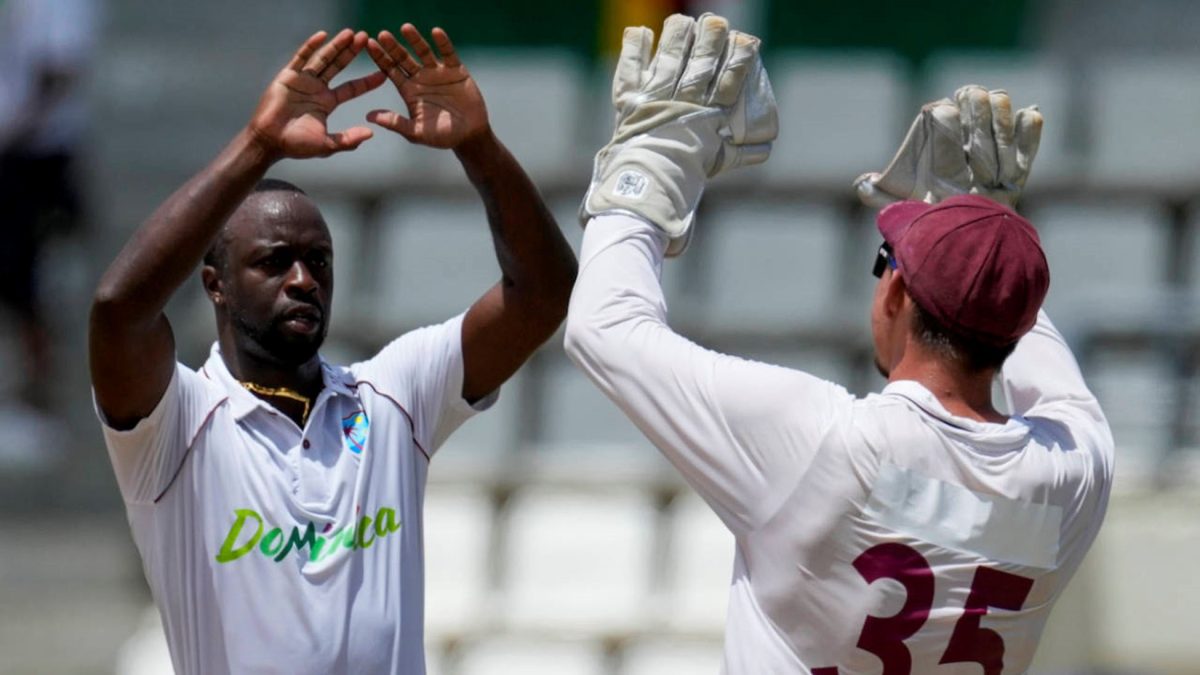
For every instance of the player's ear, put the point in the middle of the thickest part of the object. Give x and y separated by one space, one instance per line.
211 278
895 294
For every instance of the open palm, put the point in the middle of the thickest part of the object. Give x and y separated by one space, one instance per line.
292 113
444 105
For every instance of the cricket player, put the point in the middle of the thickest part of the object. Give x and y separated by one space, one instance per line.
918 530
275 498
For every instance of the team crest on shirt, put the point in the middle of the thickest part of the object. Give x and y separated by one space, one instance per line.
354 430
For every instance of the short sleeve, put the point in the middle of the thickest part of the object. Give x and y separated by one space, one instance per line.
423 369
147 457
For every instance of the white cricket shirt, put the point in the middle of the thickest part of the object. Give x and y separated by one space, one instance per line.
275 549
874 535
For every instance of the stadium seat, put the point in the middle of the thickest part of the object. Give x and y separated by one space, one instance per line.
1109 256
699 570
1028 80
577 561
458 527
660 655
1138 394
839 116
435 260
528 655
771 267
578 418
535 103
1143 112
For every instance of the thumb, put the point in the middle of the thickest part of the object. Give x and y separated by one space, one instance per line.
869 193
349 139
394 121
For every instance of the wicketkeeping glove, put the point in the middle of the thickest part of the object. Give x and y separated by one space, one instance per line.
973 144
702 106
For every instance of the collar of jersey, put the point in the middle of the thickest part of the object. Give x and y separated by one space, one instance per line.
1013 432
243 403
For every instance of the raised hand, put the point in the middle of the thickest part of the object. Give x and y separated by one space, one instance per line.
291 116
974 144
445 107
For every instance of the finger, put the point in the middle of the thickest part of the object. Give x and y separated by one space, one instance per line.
306 51
1028 137
975 111
326 55
740 57
633 62
400 56
940 148
711 36
419 45
349 139
344 57
673 48
358 87
1003 131
389 119
445 48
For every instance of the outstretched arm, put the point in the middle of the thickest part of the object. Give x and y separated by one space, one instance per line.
445 110
132 350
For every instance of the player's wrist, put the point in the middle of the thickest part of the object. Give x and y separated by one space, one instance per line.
257 147
479 144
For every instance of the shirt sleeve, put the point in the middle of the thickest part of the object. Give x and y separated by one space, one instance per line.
148 457
423 370
1042 380
741 433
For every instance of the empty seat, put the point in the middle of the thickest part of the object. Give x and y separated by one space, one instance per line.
839 116
1103 255
771 267
528 655
578 418
1143 117
577 561
1137 390
1028 81
699 569
535 103
661 655
436 259
458 528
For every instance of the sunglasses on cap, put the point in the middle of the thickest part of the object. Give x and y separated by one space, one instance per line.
884 260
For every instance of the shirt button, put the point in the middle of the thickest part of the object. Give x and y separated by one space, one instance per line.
306 444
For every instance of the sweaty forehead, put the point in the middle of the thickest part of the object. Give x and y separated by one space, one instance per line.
276 215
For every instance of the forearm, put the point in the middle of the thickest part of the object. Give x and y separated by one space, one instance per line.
166 249
536 261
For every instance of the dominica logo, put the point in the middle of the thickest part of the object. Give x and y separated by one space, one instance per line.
631 184
354 430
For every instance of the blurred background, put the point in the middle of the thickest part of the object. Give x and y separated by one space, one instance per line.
557 540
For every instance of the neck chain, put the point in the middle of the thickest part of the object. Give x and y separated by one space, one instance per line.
282 392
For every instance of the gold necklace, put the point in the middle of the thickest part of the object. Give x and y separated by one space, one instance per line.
282 392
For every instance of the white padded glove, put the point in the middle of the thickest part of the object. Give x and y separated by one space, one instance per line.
702 106
973 144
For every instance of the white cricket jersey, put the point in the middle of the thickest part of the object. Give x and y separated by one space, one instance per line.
275 549
874 535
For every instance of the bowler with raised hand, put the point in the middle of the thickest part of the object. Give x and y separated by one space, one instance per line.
276 498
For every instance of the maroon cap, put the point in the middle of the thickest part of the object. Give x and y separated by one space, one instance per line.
970 263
